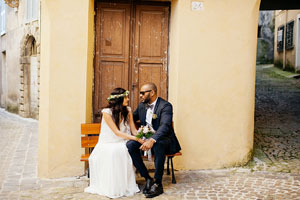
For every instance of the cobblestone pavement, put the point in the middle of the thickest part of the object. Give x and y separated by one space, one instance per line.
270 176
19 145
277 122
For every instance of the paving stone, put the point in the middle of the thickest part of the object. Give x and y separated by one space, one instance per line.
277 123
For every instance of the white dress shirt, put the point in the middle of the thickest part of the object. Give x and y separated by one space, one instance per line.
150 112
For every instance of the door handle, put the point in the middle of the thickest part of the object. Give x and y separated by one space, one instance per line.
133 86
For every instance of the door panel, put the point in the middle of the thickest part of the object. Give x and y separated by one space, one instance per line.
113 37
150 38
150 49
151 73
112 51
113 74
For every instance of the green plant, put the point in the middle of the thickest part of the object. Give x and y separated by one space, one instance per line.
289 67
278 63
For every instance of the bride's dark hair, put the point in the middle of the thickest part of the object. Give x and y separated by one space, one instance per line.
116 106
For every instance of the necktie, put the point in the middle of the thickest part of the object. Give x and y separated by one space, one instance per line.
149 106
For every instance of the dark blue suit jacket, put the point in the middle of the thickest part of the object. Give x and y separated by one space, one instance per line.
162 124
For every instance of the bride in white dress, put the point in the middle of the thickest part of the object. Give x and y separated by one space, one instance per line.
111 168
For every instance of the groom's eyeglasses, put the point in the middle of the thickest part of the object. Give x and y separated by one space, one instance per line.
143 92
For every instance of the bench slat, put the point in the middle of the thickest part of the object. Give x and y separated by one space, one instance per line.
176 154
84 157
167 155
90 129
89 141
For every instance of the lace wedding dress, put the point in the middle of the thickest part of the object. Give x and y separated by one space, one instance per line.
111 168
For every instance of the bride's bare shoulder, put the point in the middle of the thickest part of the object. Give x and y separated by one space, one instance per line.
106 110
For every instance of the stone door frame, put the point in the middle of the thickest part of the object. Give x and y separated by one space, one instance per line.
29 46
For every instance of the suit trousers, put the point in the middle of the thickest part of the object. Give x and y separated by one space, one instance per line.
160 149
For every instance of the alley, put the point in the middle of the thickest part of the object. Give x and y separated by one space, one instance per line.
277 121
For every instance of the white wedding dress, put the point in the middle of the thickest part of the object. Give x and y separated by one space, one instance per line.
111 168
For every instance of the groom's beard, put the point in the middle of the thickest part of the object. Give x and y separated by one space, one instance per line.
146 100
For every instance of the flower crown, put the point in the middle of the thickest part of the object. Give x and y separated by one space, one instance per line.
115 96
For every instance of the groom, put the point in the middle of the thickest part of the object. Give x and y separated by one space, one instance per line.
158 113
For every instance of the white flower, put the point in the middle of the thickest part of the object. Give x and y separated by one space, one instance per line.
146 129
140 129
152 130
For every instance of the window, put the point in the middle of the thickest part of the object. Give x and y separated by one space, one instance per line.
32 10
3 17
280 38
259 31
289 35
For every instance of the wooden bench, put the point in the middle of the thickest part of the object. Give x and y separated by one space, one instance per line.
89 138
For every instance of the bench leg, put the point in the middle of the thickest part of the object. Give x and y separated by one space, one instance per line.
87 171
173 175
168 168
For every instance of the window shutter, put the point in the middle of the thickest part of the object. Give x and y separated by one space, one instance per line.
3 17
289 35
280 38
34 9
29 10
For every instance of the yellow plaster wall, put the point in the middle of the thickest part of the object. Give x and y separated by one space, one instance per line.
66 84
212 81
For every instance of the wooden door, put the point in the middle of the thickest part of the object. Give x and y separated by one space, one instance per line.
131 49
112 51
150 60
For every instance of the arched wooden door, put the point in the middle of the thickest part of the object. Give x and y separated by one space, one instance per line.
131 49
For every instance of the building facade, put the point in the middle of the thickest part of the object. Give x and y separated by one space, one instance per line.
20 56
287 40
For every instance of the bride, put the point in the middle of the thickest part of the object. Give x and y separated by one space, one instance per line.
111 169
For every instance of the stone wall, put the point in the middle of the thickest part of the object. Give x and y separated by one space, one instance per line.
265 40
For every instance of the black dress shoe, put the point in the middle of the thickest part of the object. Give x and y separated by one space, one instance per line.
148 185
155 191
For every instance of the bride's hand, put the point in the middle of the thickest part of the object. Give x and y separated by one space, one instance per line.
139 140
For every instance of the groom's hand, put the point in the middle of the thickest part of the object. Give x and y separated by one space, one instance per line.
147 145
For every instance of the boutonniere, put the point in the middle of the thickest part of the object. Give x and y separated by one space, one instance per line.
154 116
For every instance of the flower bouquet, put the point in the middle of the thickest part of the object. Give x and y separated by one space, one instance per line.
144 133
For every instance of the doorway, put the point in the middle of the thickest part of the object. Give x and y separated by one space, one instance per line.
2 79
29 98
131 49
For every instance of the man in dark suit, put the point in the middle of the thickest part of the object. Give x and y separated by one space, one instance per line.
158 113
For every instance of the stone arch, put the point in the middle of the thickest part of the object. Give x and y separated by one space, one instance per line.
29 86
